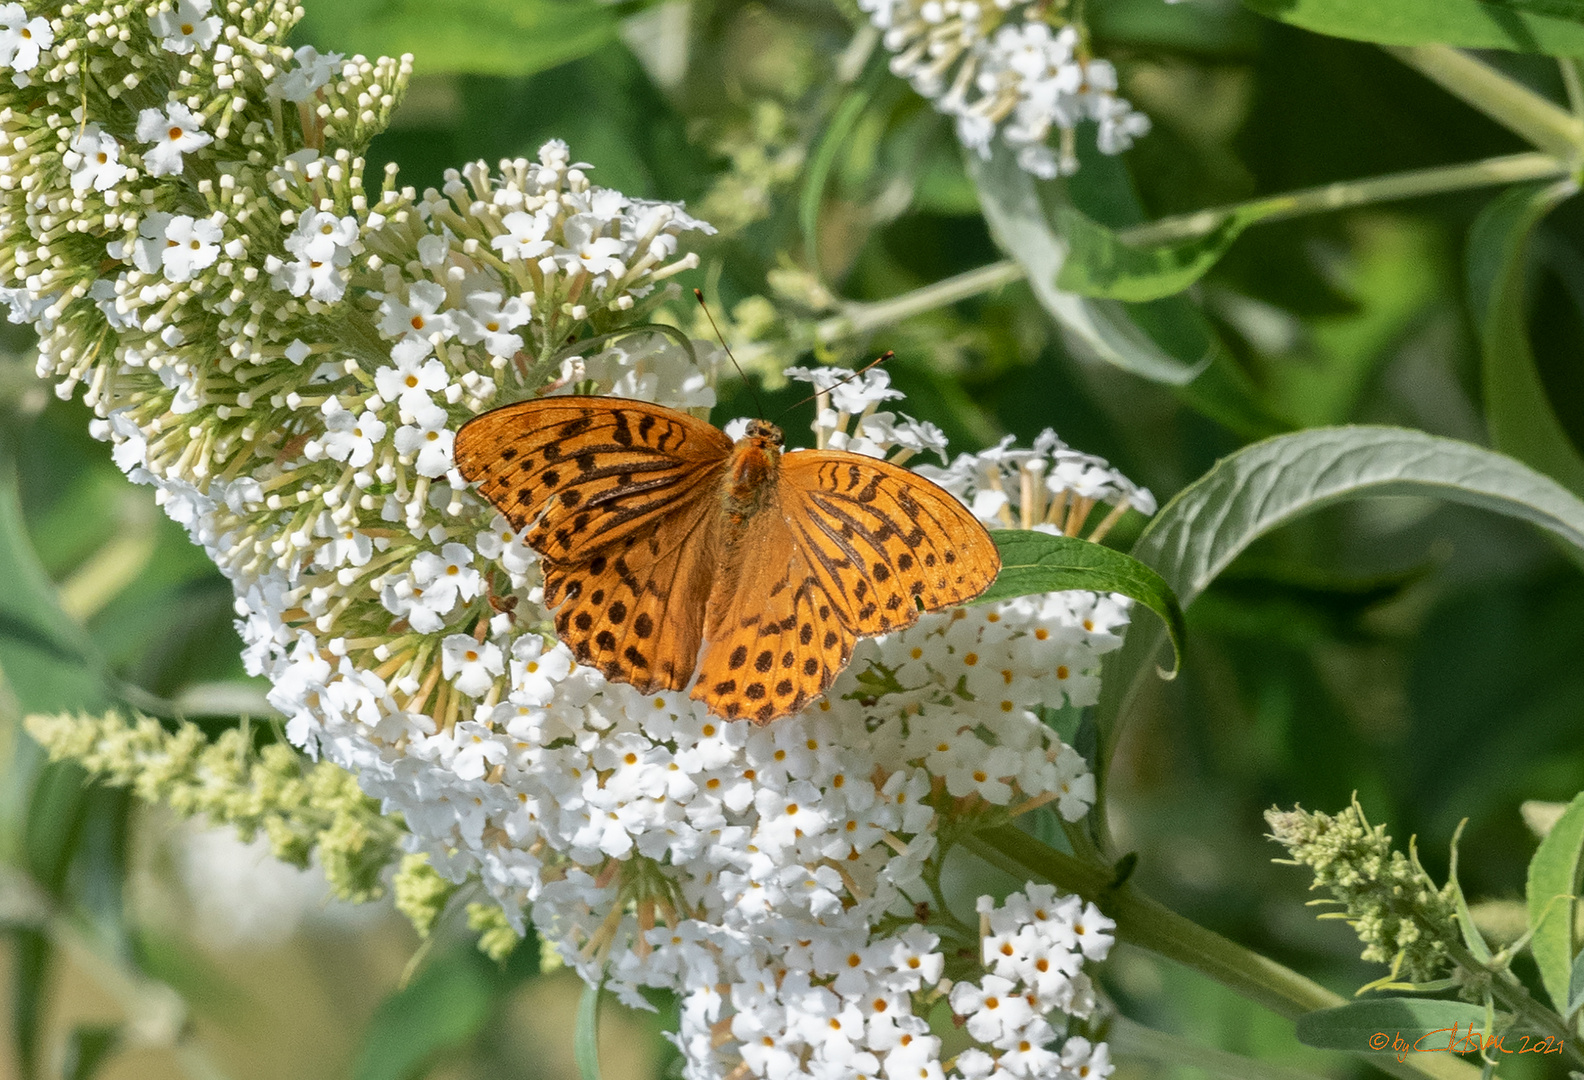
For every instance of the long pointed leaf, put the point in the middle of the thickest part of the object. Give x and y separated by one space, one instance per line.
1520 25
1263 486
1518 412
1553 880
1103 264
1036 562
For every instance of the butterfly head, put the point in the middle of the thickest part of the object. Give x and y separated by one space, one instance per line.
764 430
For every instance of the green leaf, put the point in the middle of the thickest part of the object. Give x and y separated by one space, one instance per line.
831 143
1037 562
1362 1025
585 1039
1552 27
1021 226
31 953
1518 412
47 660
54 824
1265 485
1553 874
1214 29
1102 264
480 37
88 1046
446 1005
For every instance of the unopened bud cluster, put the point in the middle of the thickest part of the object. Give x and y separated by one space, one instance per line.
1397 911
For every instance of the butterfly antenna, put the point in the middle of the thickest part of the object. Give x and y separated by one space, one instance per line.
699 296
882 358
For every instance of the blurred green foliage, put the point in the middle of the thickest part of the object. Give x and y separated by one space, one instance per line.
1424 656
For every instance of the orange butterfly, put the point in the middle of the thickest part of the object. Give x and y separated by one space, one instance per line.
659 535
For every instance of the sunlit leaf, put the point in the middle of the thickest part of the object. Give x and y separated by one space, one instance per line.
1037 562
1553 27
481 37
1553 881
1101 263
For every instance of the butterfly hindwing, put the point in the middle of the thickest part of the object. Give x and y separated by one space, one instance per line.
883 542
584 473
774 641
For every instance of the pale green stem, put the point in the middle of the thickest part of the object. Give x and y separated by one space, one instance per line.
858 319
1136 1040
1512 169
1506 101
1573 80
1150 925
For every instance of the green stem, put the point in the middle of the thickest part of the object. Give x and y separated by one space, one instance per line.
1509 103
859 319
1136 1040
1511 169
1513 996
1150 925
1573 80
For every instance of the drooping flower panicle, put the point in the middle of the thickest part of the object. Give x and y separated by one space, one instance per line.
1013 69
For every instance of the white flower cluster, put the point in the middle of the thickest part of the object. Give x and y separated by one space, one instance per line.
997 66
286 358
1048 488
1033 948
845 400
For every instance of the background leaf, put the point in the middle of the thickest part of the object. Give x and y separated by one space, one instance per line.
1100 263
87 1048
1471 24
445 1005
1554 872
1037 562
487 37
1576 986
1521 419
1351 1026
1263 486
1021 226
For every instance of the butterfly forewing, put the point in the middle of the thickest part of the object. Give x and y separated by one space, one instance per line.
588 472
884 542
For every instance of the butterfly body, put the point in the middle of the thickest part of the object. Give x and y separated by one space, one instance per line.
751 471
676 557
